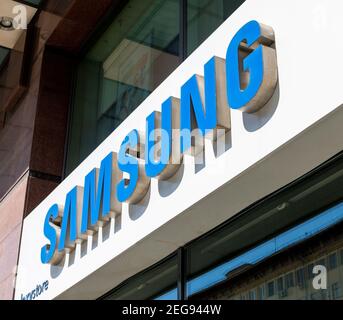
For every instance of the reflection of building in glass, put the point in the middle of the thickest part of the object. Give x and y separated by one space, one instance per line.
133 56
129 76
296 284
289 275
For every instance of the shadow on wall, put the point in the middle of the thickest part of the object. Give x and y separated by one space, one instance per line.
254 121
167 187
104 232
137 210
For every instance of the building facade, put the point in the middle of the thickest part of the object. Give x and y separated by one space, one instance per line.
248 204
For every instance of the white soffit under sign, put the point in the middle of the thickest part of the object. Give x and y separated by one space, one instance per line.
8 38
298 129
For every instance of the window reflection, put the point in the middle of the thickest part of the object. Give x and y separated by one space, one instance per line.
134 55
294 235
170 295
204 16
259 233
231 263
301 289
158 283
4 52
33 2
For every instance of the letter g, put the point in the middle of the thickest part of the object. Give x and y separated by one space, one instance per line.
251 82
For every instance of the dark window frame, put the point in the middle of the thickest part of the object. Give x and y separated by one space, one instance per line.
30 4
6 59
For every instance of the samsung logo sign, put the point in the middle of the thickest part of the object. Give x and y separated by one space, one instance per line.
245 80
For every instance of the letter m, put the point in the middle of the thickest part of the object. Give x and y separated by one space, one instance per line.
99 201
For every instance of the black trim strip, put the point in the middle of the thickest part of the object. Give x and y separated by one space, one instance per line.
183 30
182 273
44 176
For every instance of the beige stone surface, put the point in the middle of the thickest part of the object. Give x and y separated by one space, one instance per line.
11 215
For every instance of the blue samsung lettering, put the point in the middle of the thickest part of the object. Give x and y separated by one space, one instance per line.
197 106
129 164
97 197
69 219
205 113
253 64
154 168
47 251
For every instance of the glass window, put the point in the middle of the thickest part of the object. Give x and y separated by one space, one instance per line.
134 55
341 257
33 2
4 52
321 262
159 282
236 246
252 295
300 277
261 293
289 280
205 16
332 261
280 284
319 295
270 289
336 291
310 273
234 251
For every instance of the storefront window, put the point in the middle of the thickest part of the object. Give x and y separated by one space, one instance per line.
4 52
134 55
227 253
336 291
158 283
227 270
332 261
234 261
205 16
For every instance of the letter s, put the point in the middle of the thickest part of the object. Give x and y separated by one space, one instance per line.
49 252
134 189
